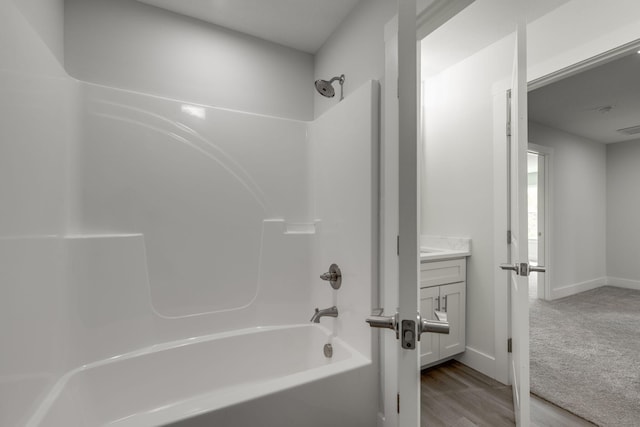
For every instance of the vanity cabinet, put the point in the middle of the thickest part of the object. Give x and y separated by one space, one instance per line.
443 288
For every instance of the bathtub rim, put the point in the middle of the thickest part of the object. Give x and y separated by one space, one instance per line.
214 400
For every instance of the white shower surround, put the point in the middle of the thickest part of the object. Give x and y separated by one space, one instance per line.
129 286
109 247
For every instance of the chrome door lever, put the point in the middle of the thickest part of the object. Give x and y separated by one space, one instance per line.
512 267
377 320
440 326
537 268
411 329
523 268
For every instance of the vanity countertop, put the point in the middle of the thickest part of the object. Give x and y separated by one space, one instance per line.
436 254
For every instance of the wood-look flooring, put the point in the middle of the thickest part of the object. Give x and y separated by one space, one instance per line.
454 395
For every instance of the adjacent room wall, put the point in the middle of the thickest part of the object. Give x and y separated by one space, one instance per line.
355 49
130 45
623 212
579 210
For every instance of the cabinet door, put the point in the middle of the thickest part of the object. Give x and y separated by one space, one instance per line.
452 301
429 343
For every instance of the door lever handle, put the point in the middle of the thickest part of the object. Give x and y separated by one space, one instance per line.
440 326
523 268
537 268
512 267
377 320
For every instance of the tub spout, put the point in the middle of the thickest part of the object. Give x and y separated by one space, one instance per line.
331 312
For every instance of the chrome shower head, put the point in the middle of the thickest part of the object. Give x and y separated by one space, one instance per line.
325 88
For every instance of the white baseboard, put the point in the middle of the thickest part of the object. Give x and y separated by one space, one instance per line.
576 288
623 283
479 361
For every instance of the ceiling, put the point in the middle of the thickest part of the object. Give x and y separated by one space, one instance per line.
593 104
299 24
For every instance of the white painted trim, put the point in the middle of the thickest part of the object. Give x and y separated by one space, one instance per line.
623 283
437 13
481 362
500 279
408 245
389 226
576 288
587 64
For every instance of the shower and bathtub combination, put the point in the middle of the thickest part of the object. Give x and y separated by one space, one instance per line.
160 257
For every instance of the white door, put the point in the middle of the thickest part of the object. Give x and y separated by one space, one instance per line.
399 239
517 264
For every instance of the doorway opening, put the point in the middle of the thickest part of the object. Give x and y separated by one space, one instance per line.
588 120
538 208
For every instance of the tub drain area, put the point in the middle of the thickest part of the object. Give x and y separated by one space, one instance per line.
328 351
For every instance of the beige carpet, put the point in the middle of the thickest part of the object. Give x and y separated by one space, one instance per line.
585 354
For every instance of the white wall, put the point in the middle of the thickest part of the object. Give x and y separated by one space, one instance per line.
355 49
130 45
578 209
623 211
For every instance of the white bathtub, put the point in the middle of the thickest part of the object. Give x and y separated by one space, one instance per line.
272 376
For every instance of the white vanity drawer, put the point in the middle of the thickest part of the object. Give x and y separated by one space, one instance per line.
436 273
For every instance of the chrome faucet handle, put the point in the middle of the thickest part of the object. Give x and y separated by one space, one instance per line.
333 276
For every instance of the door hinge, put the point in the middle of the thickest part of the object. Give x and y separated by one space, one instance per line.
509 345
508 237
398 245
398 403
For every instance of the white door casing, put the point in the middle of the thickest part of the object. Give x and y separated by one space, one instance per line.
408 251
